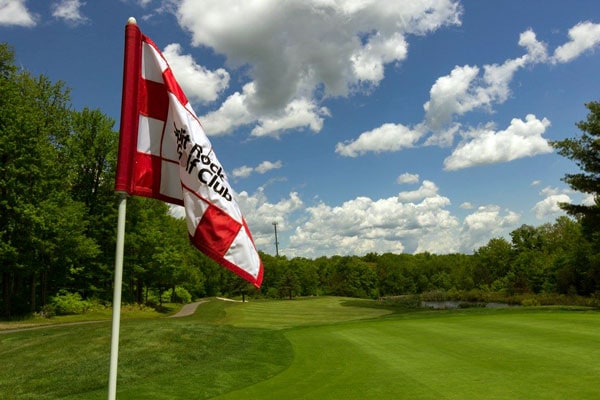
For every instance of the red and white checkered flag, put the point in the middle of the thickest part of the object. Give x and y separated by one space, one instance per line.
165 154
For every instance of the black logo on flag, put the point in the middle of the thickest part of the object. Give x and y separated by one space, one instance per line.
208 170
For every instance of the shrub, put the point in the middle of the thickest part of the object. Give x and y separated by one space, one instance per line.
595 299
48 311
66 303
272 293
181 296
434 295
404 301
530 302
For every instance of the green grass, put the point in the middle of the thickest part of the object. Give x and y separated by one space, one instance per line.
98 314
533 355
319 348
285 314
158 359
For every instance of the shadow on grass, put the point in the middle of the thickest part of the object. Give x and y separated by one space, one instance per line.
167 309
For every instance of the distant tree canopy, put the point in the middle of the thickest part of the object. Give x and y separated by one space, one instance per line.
58 226
552 258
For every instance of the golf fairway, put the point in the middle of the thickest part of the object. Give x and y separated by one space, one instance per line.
500 355
321 348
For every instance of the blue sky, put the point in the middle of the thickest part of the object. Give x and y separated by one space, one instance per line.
357 126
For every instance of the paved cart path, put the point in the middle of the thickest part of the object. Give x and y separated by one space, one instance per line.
187 309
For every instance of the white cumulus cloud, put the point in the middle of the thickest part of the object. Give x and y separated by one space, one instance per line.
408 178
305 51
234 113
364 225
15 12
262 168
468 88
450 95
549 208
260 214
198 83
231 114
536 51
266 166
297 114
69 11
242 172
464 90
520 139
427 189
388 137
412 221
485 223
583 37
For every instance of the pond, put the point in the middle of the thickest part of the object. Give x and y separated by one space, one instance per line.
450 304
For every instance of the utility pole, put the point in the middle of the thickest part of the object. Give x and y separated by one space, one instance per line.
276 241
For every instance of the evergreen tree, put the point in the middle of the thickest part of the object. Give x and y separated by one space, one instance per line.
585 151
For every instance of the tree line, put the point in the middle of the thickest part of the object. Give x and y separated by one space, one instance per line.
552 258
58 213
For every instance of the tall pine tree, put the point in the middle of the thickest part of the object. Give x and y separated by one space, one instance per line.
585 151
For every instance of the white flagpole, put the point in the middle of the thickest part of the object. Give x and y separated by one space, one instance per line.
116 314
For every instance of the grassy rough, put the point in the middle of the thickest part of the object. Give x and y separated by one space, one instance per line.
317 348
158 359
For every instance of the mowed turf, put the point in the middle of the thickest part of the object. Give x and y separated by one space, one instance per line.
301 312
320 348
503 355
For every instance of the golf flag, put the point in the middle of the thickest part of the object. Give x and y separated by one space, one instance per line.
165 154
